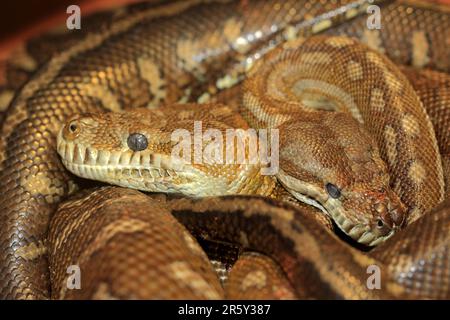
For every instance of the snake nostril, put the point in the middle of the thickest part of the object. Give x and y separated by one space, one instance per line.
380 223
384 221
73 127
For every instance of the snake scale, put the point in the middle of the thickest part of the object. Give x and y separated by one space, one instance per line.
250 64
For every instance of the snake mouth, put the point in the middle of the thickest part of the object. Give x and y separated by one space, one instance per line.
361 232
144 171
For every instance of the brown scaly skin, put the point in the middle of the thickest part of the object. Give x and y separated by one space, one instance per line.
146 253
114 67
316 263
20 273
409 261
95 147
339 74
316 147
404 39
29 54
433 88
313 259
257 277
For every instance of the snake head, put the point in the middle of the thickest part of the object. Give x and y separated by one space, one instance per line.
329 161
141 149
128 149
390 211
373 216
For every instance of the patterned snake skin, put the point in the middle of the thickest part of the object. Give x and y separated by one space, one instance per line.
315 262
148 55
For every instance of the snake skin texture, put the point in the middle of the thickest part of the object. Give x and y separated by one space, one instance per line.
308 261
26 58
413 273
119 220
433 89
404 37
309 258
148 55
93 146
256 276
326 70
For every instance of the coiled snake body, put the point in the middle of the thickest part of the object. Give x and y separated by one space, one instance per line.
371 180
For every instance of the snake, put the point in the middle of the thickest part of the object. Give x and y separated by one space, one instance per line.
146 55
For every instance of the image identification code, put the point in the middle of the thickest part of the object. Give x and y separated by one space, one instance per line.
225 309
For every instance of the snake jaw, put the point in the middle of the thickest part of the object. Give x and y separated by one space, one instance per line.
123 168
359 231
366 236
363 233
147 171
374 240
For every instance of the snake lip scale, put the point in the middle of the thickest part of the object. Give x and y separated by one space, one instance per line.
95 165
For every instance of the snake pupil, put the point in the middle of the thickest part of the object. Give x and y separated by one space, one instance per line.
333 191
380 223
73 127
137 142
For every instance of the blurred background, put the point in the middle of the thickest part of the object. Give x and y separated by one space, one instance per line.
22 19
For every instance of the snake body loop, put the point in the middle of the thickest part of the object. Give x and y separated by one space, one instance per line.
159 54
99 146
305 261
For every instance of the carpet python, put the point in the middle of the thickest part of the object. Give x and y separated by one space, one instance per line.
239 59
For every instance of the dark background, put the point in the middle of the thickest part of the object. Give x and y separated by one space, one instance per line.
20 15
17 15
22 19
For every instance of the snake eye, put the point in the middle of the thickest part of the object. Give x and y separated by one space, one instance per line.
71 129
333 191
137 142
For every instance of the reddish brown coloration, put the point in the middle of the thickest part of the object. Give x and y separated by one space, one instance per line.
287 80
433 89
317 264
127 247
33 181
426 272
255 276
64 88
